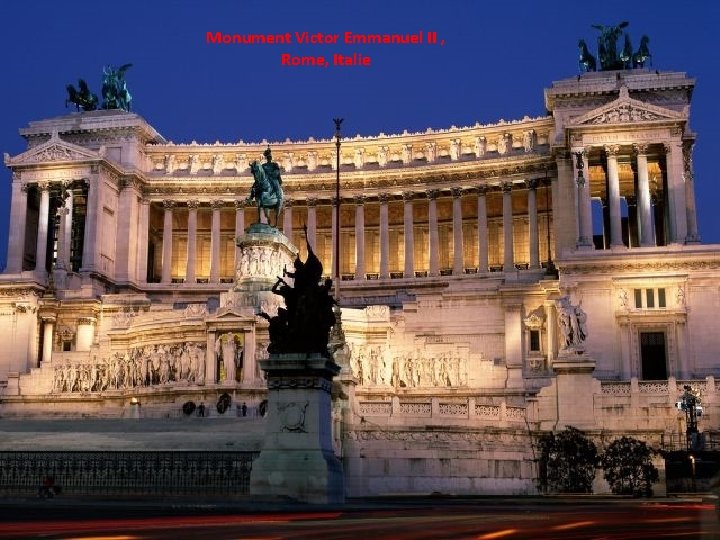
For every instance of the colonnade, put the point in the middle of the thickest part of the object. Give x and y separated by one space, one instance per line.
678 188
363 267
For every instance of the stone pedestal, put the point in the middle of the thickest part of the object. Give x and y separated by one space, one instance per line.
575 390
297 458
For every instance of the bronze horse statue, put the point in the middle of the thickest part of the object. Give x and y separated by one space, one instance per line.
266 192
643 53
82 98
587 60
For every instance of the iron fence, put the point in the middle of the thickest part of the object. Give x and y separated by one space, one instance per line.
128 473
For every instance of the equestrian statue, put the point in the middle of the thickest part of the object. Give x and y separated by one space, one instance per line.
267 190
82 98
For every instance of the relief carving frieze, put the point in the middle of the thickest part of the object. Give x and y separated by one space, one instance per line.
145 366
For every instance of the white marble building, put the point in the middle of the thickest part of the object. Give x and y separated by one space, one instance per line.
124 279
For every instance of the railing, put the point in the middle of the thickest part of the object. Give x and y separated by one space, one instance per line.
124 473
442 409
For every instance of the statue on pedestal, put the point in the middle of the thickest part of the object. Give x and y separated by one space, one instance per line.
114 89
303 326
267 187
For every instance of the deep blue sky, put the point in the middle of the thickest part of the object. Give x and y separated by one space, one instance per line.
497 59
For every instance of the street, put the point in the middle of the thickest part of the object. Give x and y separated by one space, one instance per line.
380 518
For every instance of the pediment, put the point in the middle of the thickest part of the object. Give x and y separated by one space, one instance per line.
625 110
54 150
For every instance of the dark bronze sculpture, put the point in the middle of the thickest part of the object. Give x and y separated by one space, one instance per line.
303 326
607 50
114 88
82 98
587 60
267 187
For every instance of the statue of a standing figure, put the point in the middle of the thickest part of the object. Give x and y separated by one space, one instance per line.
573 325
114 89
607 45
226 345
267 187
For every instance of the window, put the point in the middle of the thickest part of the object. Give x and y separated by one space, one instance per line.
534 340
650 298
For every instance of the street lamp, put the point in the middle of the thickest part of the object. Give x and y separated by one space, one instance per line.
689 403
338 122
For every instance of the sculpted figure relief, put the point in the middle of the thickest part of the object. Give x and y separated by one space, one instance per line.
144 366
377 365
572 321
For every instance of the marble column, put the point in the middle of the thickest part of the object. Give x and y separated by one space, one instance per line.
67 230
408 231
533 224
551 330
359 237
142 245
508 251
167 241
211 371
239 227
190 274
60 253
458 248
287 218
18 219
647 238
482 230
48 335
215 241
91 249
677 210
249 360
614 196
42 232
384 237
584 201
693 236
312 222
432 195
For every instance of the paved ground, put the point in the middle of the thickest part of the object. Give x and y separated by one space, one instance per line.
379 518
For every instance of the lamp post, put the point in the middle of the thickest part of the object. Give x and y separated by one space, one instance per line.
338 122
689 403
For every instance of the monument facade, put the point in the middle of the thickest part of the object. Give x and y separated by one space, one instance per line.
497 281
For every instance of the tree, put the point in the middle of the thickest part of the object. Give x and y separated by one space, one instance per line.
628 467
568 460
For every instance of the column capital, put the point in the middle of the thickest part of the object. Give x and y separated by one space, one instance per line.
408 196
532 184
193 204
43 186
288 202
384 198
482 190
48 318
169 205
506 187
239 204
24 188
359 200
612 150
457 192
670 145
311 202
640 149
432 194
217 204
